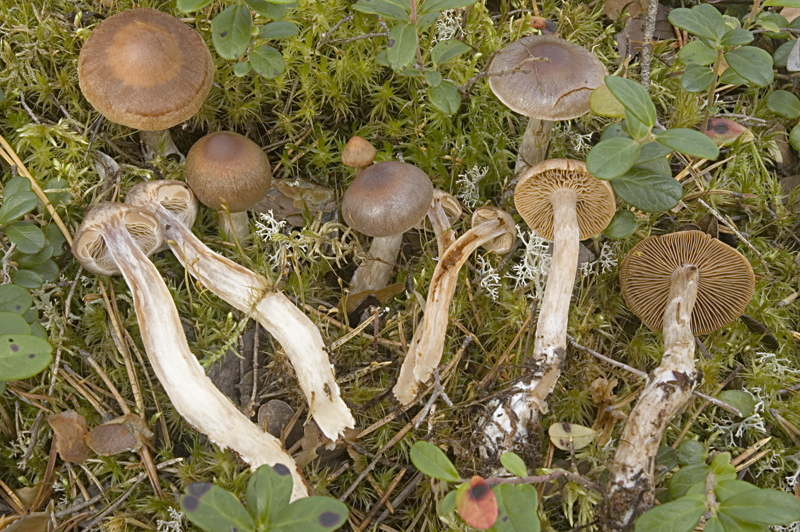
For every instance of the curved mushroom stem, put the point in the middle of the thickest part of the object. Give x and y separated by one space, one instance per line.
444 211
426 347
117 228
631 484
374 273
533 147
159 144
550 347
174 205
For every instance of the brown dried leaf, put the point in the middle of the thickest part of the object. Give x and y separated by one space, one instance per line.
123 434
70 430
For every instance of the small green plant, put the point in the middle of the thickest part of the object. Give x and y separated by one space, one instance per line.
268 509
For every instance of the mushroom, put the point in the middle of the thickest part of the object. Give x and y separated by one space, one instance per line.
445 210
384 201
175 207
563 203
358 154
545 78
491 228
687 284
115 238
145 69
229 173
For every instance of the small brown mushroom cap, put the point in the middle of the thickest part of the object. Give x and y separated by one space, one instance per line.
387 199
595 202
228 166
358 153
503 243
556 87
145 69
724 290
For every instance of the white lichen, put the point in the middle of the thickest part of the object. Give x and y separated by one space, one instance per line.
534 268
448 26
175 523
468 186
490 279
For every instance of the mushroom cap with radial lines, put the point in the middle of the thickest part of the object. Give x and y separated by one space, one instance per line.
595 204
388 198
724 289
556 87
145 69
228 166
358 153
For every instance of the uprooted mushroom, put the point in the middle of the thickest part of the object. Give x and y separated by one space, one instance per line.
115 238
175 207
685 284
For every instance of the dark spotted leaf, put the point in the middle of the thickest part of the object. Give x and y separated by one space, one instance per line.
392 9
446 50
268 492
677 516
314 514
514 464
215 510
476 504
724 132
23 356
564 435
516 507
230 31
623 224
402 45
267 61
648 190
14 299
433 462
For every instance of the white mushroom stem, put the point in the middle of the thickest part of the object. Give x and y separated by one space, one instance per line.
376 271
234 223
191 392
631 484
251 293
425 350
550 347
533 147
440 223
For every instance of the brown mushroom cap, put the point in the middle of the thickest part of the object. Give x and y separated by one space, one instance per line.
228 166
145 69
387 199
724 290
358 153
595 202
557 87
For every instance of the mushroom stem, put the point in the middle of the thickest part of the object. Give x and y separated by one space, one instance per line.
234 223
250 293
533 147
426 347
445 236
631 484
158 144
191 392
374 273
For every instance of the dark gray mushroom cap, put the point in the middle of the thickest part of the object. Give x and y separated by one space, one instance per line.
387 198
724 289
556 86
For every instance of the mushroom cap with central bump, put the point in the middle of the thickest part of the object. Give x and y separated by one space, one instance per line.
724 289
358 153
228 166
145 69
556 87
388 198
594 204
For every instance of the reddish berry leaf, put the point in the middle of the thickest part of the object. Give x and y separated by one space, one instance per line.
476 504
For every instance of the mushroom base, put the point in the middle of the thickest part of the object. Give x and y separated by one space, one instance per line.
533 147
375 272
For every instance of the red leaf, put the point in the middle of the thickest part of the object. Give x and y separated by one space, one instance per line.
476 504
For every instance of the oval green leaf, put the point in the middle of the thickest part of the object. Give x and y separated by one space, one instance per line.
268 492
794 137
691 452
603 103
11 323
27 237
762 507
313 514
23 356
565 435
14 299
267 61
634 126
516 508
677 516
430 6
271 10
56 239
187 6
697 53
736 37
634 98
27 279
702 20
402 46
647 190
448 504
214 510
433 78
35 259
230 31
433 462
446 50
622 225
514 464
242 69
784 104
651 151
741 401
689 142
753 64
17 205
278 30
696 78
728 488
612 158
392 9
445 97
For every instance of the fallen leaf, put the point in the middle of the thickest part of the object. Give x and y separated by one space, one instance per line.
123 434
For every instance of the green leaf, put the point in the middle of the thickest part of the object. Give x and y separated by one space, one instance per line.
741 401
696 78
516 508
433 78
271 10
278 30
691 452
676 516
392 9
35 259
772 22
18 200
784 103
702 20
268 492
242 69
431 6
781 55
698 53
794 137
730 77
11 323
27 237
187 6
612 158
514 464
666 457
445 97
762 507
713 525
426 20
433 462
728 488
312 514
267 61
56 239
48 270
402 45
623 224
736 37
614 130
603 103
14 299
565 435
689 142
23 356
648 190
634 126
27 279
446 50
230 31
214 510
753 64
634 98
729 524
721 464
782 3
651 151
448 503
